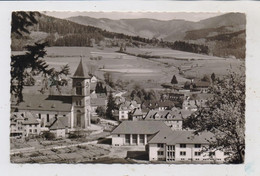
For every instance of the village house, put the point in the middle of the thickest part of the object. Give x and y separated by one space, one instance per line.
126 108
136 132
24 124
196 100
137 114
183 146
173 119
75 107
59 127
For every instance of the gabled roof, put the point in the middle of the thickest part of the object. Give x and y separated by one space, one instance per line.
182 137
81 71
141 127
163 115
137 112
41 102
29 118
59 123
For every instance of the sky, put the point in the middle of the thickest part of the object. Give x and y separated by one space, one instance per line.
132 15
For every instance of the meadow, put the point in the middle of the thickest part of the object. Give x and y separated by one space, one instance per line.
149 72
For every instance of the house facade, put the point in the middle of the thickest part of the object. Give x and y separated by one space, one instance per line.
126 108
183 146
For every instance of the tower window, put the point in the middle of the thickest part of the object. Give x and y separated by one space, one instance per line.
78 88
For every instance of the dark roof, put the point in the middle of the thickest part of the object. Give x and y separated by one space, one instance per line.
81 71
163 115
46 102
141 127
185 137
59 123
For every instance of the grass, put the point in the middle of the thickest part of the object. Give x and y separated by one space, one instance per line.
138 69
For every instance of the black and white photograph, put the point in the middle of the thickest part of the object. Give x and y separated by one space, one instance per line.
92 88
127 87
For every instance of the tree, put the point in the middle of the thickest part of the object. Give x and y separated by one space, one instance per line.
205 78
31 63
174 80
110 106
213 77
101 111
224 116
108 79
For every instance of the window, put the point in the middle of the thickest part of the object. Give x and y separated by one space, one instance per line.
197 153
134 139
78 118
118 135
30 130
48 118
127 138
211 153
160 153
78 88
40 116
182 153
141 138
197 145
182 145
160 145
30 125
35 130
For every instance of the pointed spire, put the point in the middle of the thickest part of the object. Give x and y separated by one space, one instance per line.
81 71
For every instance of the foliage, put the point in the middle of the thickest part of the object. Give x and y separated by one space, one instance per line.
110 106
205 78
190 47
101 111
108 79
174 80
100 89
48 135
30 64
224 116
213 77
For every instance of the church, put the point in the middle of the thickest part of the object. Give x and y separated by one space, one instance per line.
74 109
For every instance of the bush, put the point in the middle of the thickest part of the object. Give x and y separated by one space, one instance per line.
48 135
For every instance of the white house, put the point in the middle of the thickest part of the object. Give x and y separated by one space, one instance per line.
125 108
183 146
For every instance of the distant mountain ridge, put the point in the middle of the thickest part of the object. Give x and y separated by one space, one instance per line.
171 30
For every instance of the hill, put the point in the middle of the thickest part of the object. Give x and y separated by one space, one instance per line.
206 36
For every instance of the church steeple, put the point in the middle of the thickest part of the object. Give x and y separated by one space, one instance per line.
81 71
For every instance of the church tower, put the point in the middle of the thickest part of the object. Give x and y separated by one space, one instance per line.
80 117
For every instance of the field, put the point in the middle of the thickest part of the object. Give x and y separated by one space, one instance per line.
148 72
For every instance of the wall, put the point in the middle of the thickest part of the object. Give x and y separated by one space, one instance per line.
118 140
59 133
153 152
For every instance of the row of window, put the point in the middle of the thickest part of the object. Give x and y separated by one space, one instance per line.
195 145
30 130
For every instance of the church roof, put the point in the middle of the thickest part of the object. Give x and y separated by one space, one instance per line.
81 71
